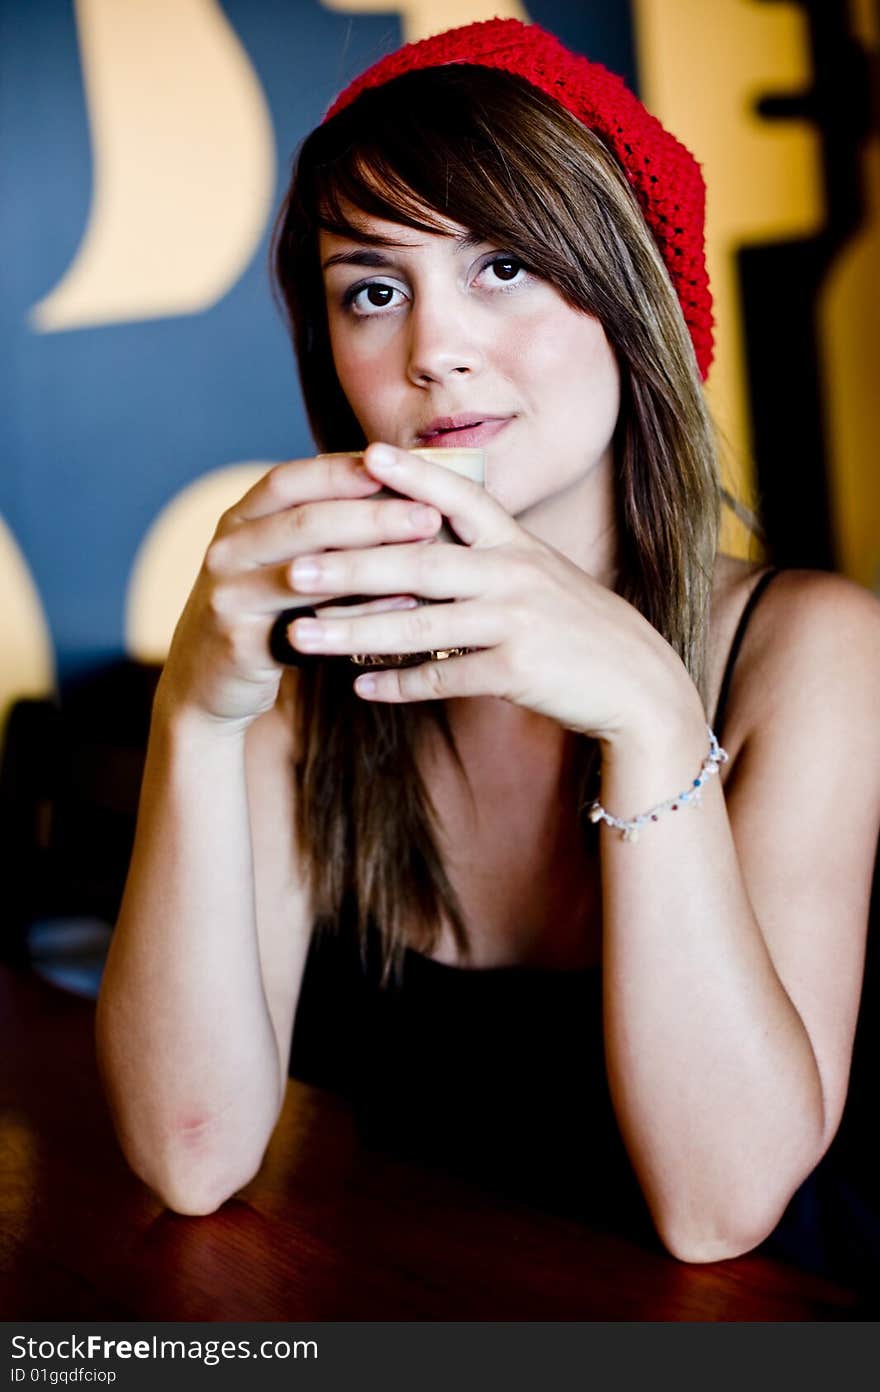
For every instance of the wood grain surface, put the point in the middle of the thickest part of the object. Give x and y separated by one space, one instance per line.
329 1230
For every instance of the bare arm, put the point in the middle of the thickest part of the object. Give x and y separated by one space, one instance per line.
197 1002
734 935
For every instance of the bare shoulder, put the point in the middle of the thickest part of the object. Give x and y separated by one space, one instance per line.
815 650
802 714
802 791
820 615
812 647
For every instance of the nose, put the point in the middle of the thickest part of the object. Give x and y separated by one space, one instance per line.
441 344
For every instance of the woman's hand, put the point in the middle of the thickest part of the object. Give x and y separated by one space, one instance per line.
219 664
549 637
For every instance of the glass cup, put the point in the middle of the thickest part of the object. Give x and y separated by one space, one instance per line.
470 463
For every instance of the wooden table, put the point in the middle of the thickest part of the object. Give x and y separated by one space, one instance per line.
330 1230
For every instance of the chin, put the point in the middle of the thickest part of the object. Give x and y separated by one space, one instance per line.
517 506
510 486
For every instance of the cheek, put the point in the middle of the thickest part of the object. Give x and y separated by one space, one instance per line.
576 368
362 368
599 383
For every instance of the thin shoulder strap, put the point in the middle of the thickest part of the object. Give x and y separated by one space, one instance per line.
721 708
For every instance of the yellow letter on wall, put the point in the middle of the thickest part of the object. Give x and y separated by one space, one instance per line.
27 666
171 553
184 164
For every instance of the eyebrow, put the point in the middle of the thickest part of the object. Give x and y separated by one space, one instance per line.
466 241
357 258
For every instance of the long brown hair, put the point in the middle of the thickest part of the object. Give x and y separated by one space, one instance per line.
488 151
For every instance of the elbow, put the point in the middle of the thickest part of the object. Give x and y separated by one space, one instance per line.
190 1181
697 1227
194 1191
720 1235
697 1247
194 1168
190 1171
194 1198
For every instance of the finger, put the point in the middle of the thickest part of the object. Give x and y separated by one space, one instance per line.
475 516
425 628
267 589
473 674
300 481
333 609
280 639
313 526
435 572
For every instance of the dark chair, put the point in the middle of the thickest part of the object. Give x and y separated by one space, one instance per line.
69 784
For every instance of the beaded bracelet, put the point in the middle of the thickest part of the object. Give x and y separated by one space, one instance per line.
691 797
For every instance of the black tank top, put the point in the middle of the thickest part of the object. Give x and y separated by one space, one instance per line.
498 1073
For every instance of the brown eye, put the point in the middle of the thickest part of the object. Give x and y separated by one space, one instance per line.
375 295
379 295
507 267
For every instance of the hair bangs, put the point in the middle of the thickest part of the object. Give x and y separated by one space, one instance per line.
426 153
425 192
364 183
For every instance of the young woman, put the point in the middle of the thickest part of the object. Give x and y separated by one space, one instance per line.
479 883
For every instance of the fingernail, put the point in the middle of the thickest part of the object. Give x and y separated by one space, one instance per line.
365 686
305 572
384 458
307 632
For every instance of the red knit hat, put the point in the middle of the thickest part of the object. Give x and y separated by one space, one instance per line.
664 175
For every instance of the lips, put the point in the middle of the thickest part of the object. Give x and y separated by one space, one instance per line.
462 430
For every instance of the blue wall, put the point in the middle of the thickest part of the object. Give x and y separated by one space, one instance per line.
100 427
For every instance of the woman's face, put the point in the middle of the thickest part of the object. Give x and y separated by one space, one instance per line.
442 340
